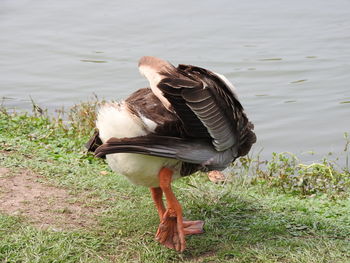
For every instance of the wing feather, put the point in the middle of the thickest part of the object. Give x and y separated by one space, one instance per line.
205 102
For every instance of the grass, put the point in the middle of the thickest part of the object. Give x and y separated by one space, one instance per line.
275 211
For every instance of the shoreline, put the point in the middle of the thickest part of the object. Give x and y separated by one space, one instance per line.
59 203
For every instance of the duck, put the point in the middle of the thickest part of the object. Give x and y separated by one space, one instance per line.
189 119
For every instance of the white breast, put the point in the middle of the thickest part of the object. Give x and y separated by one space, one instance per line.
115 120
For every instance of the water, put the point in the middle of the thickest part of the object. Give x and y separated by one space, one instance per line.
288 60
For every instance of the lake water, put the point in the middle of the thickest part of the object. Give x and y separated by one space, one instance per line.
289 60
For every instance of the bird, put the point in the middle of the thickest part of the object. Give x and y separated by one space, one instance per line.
189 119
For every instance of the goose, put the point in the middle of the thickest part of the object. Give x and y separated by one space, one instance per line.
190 119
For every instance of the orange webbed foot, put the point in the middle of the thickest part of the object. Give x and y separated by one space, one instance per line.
193 227
171 232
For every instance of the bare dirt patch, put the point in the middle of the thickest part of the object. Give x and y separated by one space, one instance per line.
43 205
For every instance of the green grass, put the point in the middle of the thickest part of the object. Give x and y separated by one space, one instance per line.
266 217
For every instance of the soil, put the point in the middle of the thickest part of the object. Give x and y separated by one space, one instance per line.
43 205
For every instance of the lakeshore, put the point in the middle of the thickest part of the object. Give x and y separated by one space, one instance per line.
58 203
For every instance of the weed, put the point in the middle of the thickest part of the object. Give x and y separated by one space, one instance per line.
287 173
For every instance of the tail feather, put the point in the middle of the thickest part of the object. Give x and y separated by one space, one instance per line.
190 151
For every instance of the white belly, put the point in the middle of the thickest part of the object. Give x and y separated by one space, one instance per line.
141 169
114 120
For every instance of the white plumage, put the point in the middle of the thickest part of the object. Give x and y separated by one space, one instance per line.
115 120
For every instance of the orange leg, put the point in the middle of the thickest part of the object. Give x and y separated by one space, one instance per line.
172 228
157 195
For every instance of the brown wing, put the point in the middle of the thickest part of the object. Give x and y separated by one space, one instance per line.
211 100
204 101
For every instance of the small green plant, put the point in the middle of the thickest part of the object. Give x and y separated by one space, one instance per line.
80 119
285 172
